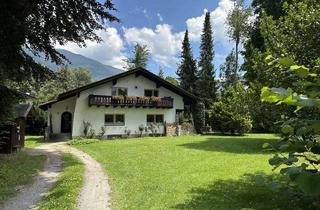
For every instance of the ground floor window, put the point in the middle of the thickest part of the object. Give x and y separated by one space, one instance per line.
114 119
154 118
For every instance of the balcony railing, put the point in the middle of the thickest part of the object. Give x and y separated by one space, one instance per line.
130 101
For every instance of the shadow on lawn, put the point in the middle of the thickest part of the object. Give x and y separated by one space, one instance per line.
232 145
252 191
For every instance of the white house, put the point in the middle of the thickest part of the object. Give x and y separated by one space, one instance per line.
120 103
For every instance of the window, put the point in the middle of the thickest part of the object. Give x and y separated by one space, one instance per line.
114 119
150 118
154 118
119 91
159 118
150 93
108 119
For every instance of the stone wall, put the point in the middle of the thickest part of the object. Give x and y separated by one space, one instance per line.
171 129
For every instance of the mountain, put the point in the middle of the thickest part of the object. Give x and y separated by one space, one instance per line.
97 69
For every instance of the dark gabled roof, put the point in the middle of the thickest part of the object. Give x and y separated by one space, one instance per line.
138 71
22 110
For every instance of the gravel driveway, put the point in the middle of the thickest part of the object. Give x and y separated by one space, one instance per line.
94 194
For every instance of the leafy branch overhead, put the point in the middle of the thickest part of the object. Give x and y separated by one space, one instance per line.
300 135
36 27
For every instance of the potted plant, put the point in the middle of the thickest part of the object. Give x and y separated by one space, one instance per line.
131 99
117 99
155 100
144 99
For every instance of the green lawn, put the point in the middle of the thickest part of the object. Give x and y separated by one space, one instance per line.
193 172
34 141
65 192
16 170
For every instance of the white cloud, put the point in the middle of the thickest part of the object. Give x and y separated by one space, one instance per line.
218 19
162 42
165 45
160 17
145 12
110 51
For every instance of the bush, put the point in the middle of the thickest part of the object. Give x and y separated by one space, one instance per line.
81 141
230 114
102 132
86 128
298 151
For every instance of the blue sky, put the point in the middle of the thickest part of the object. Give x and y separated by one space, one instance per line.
160 25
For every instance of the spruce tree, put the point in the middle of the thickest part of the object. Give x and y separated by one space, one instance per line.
228 72
206 84
187 69
161 72
140 57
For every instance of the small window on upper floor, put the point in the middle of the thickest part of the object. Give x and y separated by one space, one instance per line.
119 91
150 93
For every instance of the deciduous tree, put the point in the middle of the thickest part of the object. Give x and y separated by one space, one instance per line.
36 27
237 23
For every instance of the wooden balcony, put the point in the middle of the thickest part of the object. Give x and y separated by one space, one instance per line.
130 101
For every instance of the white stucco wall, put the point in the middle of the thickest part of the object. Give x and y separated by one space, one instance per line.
56 111
134 117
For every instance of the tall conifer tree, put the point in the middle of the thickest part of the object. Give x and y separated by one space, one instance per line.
207 87
228 72
187 70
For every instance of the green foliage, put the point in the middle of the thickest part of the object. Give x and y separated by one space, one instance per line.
283 34
301 139
35 27
237 24
172 80
86 128
82 141
140 57
16 170
102 132
8 97
141 129
67 189
228 72
198 111
263 115
187 69
295 29
92 133
229 114
206 84
65 79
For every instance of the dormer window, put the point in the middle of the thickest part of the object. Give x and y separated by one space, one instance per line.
119 91
150 93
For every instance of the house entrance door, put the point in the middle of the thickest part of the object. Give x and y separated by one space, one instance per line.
66 125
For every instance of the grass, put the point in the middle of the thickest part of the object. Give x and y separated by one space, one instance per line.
191 172
66 191
16 170
34 141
